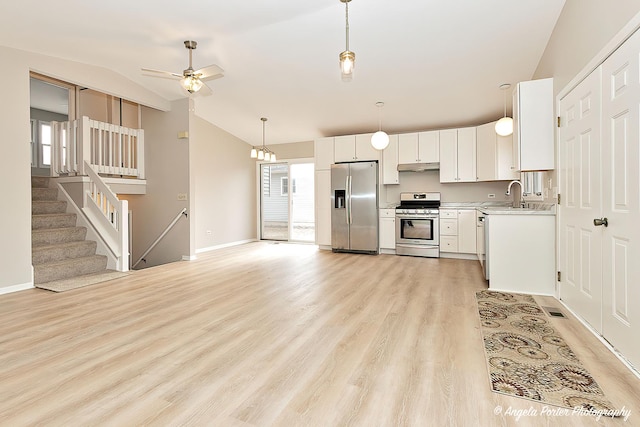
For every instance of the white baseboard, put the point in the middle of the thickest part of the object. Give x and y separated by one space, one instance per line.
224 245
595 333
189 257
454 255
16 288
387 251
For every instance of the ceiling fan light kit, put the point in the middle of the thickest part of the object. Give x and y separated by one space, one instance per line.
504 126
347 58
192 80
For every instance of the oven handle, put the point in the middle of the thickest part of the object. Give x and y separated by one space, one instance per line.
402 216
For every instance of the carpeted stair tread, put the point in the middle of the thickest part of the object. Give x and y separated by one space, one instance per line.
81 281
51 253
48 236
44 194
39 182
39 207
67 268
55 220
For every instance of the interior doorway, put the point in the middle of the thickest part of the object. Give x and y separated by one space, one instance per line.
287 207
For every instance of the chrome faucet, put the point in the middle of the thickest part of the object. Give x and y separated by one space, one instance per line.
508 193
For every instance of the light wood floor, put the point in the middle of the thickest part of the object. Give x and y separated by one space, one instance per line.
265 334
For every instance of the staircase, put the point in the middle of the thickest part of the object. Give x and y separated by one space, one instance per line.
59 248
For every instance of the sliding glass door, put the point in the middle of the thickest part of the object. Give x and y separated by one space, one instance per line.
287 202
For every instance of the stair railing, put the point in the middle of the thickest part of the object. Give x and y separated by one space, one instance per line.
164 233
109 215
110 149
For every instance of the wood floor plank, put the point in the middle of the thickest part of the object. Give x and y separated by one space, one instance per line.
272 334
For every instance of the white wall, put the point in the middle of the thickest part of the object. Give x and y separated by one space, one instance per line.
223 186
582 30
167 173
15 174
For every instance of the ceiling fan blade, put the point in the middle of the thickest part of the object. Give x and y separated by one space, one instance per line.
210 72
161 74
204 91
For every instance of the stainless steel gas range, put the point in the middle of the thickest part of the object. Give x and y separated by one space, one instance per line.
418 225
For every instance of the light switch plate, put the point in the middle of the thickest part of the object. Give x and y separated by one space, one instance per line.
182 196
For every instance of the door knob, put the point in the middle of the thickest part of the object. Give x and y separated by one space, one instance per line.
601 221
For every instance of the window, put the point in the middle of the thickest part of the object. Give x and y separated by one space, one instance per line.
45 143
284 186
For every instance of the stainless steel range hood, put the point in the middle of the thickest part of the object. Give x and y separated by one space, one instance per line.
418 167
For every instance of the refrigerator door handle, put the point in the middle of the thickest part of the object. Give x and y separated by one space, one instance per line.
347 198
350 194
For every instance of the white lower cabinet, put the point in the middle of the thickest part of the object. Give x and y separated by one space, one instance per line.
387 230
458 231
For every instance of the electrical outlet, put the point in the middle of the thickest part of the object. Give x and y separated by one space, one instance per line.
182 197
491 196
208 232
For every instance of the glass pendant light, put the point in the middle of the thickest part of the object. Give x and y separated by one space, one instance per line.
380 139
504 126
347 58
254 153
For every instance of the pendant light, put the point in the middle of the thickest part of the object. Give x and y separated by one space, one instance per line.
263 153
380 139
504 126
347 58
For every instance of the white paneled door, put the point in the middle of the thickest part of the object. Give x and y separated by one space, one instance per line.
599 214
621 190
580 176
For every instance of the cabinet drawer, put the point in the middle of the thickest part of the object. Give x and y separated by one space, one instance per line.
447 213
387 213
448 244
449 227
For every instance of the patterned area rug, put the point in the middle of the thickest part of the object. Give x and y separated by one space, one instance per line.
527 358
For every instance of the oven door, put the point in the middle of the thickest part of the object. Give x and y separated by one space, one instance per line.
417 230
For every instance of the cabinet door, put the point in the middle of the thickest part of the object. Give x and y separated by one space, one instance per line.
449 155
504 152
323 207
535 125
467 231
448 244
467 155
429 147
486 152
390 162
387 232
408 148
344 148
323 153
364 150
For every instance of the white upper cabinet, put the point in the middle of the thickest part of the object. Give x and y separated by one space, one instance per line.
533 125
422 147
458 155
390 162
351 148
494 155
323 148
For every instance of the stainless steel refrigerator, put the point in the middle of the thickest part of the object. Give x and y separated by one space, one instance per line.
354 207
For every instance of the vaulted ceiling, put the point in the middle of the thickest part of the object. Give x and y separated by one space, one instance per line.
435 64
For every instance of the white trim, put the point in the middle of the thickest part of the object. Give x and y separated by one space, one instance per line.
16 288
225 245
189 257
627 31
602 340
454 255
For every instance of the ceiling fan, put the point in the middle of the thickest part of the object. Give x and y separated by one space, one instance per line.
191 80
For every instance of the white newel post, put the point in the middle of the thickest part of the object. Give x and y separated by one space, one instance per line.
55 142
140 154
84 148
123 263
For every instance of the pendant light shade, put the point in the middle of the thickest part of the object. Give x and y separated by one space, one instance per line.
254 153
380 139
347 58
504 126
260 155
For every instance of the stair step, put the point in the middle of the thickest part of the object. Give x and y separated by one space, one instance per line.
56 220
68 268
50 236
39 182
44 194
48 207
59 252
